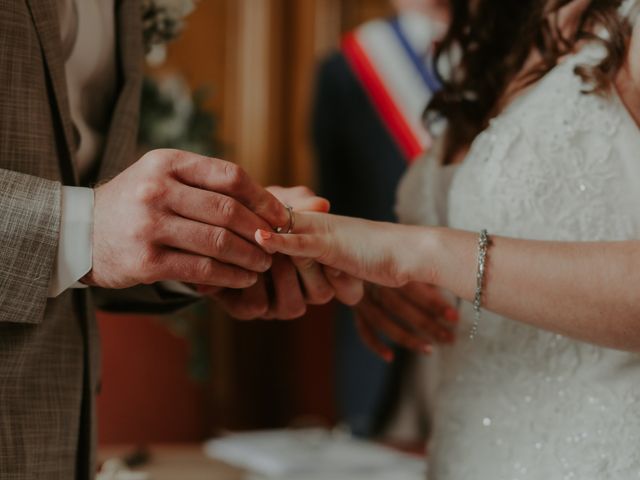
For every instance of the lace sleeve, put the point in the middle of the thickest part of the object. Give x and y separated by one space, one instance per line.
411 197
423 193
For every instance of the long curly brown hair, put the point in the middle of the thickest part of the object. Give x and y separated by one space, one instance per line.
494 39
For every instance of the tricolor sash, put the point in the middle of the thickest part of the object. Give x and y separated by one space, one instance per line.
398 82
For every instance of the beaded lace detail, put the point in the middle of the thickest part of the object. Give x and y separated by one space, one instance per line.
517 402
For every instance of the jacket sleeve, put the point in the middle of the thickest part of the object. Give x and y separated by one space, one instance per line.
29 232
142 299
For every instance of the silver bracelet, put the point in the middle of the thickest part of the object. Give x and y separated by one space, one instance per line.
483 246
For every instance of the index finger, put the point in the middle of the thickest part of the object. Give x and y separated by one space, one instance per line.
229 179
429 298
215 209
397 332
301 198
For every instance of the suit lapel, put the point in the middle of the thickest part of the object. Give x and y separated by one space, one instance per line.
121 142
45 19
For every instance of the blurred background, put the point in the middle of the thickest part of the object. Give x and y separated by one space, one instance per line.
242 77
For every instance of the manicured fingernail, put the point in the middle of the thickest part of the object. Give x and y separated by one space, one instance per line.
452 315
264 235
326 207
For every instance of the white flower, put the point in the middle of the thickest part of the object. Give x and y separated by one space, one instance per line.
179 8
163 20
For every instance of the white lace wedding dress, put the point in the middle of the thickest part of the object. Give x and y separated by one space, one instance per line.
519 403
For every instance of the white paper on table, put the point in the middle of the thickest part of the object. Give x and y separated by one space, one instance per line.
314 454
384 474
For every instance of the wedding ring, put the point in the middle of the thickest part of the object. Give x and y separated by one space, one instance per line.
292 221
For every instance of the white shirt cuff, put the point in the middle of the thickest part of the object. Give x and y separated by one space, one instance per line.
74 259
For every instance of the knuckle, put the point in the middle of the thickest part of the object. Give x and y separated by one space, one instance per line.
144 229
155 159
149 191
176 156
220 241
234 175
206 269
300 241
227 208
305 264
147 265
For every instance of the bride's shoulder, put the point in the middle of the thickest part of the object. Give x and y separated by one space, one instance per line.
411 193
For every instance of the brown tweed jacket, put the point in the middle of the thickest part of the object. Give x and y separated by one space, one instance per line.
49 359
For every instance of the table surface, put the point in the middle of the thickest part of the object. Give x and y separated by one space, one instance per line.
171 462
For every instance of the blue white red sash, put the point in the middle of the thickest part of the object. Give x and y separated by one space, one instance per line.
398 82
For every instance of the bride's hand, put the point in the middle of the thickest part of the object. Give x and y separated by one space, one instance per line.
292 283
415 317
320 284
372 251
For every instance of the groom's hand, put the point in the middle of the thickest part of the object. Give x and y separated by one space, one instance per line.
175 215
292 283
